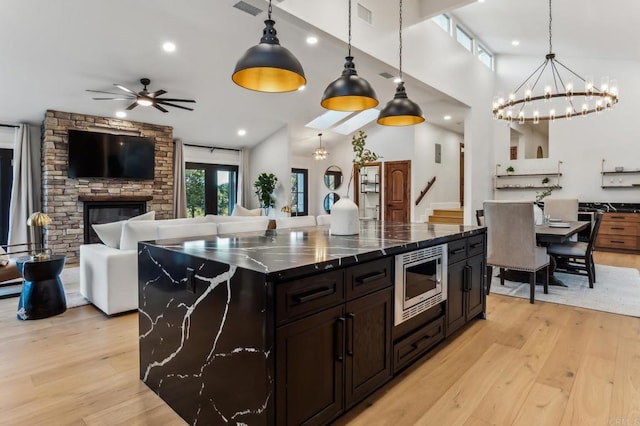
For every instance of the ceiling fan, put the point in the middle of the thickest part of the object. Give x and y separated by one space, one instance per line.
144 97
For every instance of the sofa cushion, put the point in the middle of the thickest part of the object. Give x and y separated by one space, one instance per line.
111 233
220 219
238 210
147 230
185 230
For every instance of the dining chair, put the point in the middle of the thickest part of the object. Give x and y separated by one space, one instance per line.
295 221
564 209
511 242
323 219
577 257
480 217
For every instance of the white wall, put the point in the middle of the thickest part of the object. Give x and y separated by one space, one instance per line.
271 156
582 143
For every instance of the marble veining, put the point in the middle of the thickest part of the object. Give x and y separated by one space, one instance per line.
608 207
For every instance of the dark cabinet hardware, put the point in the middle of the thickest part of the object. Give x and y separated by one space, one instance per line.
350 320
339 344
617 241
617 228
476 245
423 342
313 294
371 277
617 217
459 250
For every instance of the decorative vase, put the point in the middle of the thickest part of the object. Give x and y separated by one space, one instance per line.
538 215
344 217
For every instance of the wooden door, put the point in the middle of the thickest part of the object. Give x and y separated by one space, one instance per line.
368 345
309 369
397 191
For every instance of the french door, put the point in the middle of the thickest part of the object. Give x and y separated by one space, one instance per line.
210 189
6 178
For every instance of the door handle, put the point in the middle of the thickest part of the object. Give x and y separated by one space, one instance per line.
350 316
312 295
339 335
371 277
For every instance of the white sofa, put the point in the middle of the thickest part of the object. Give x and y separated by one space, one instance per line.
109 275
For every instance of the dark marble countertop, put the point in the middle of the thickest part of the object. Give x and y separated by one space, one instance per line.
610 207
285 253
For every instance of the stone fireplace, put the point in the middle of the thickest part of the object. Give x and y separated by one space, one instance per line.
62 197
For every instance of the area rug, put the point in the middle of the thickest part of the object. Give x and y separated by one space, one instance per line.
617 290
70 278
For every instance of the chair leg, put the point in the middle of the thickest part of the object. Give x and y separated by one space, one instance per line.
489 277
546 279
532 286
593 265
589 268
501 276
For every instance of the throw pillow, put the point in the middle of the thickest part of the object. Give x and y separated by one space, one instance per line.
4 259
238 210
111 233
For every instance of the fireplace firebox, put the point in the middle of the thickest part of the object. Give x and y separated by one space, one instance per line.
97 211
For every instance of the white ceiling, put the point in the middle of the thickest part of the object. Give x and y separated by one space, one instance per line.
52 51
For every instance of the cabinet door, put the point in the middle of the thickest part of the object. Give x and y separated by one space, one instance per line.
455 315
310 366
475 286
368 344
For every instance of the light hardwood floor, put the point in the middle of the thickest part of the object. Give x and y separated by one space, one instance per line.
526 364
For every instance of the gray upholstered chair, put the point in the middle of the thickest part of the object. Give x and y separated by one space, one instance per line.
577 257
565 209
511 242
480 217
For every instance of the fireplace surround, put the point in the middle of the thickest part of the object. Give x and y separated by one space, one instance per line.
98 210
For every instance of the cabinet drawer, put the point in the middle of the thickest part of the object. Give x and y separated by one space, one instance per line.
295 299
624 229
621 217
476 245
369 277
617 242
457 250
416 344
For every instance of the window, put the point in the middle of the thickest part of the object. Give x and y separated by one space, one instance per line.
299 192
210 189
464 39
443 21
6 177
485 57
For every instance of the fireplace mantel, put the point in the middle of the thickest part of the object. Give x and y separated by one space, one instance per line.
112 198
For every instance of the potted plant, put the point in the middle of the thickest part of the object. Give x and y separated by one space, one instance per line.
265 185
545 181
362 155
510 169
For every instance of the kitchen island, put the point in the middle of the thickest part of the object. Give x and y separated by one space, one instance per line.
291 326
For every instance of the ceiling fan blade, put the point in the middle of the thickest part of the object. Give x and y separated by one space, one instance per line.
111 99
156 106
101 91
177 100
174 105
157 93
132 106
121 87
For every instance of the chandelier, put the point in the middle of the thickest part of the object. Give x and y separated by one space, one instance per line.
560 97
320 153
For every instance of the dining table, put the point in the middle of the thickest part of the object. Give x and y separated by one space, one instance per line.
553 232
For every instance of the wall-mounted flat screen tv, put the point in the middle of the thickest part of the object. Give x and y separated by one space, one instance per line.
105 155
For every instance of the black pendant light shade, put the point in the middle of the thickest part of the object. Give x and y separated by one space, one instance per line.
349 92
400 111
269 67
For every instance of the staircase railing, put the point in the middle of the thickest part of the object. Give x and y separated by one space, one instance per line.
425 190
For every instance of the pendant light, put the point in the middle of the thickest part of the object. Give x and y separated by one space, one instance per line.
320 153
269 67
349 92
400 111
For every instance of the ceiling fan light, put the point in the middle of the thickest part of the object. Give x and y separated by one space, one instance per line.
144 102
349 92
269 67
400 111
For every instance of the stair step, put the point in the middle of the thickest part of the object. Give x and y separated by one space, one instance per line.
446 219
449 212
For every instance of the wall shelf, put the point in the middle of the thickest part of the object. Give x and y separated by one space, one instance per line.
527 187
527 180
529 174
625 178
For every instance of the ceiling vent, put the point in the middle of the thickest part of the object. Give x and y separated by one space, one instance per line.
364 14
385 75
248 8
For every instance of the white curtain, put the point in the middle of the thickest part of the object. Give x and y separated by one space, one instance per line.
25 190
179 188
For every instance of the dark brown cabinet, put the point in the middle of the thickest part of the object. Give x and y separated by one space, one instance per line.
466 283
328 361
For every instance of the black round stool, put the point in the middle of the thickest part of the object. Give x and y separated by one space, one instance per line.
42 292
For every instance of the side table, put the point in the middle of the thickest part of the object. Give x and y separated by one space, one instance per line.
42 292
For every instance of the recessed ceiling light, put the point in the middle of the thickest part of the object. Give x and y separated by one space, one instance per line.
169 46
301 88
397 80
242 132
480 1
515 43
121 114
447 117
312 40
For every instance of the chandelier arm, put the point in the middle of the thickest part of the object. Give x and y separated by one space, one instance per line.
557 77
546 62
572 72
531 75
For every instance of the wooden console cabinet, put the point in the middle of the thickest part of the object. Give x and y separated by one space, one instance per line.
619 232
